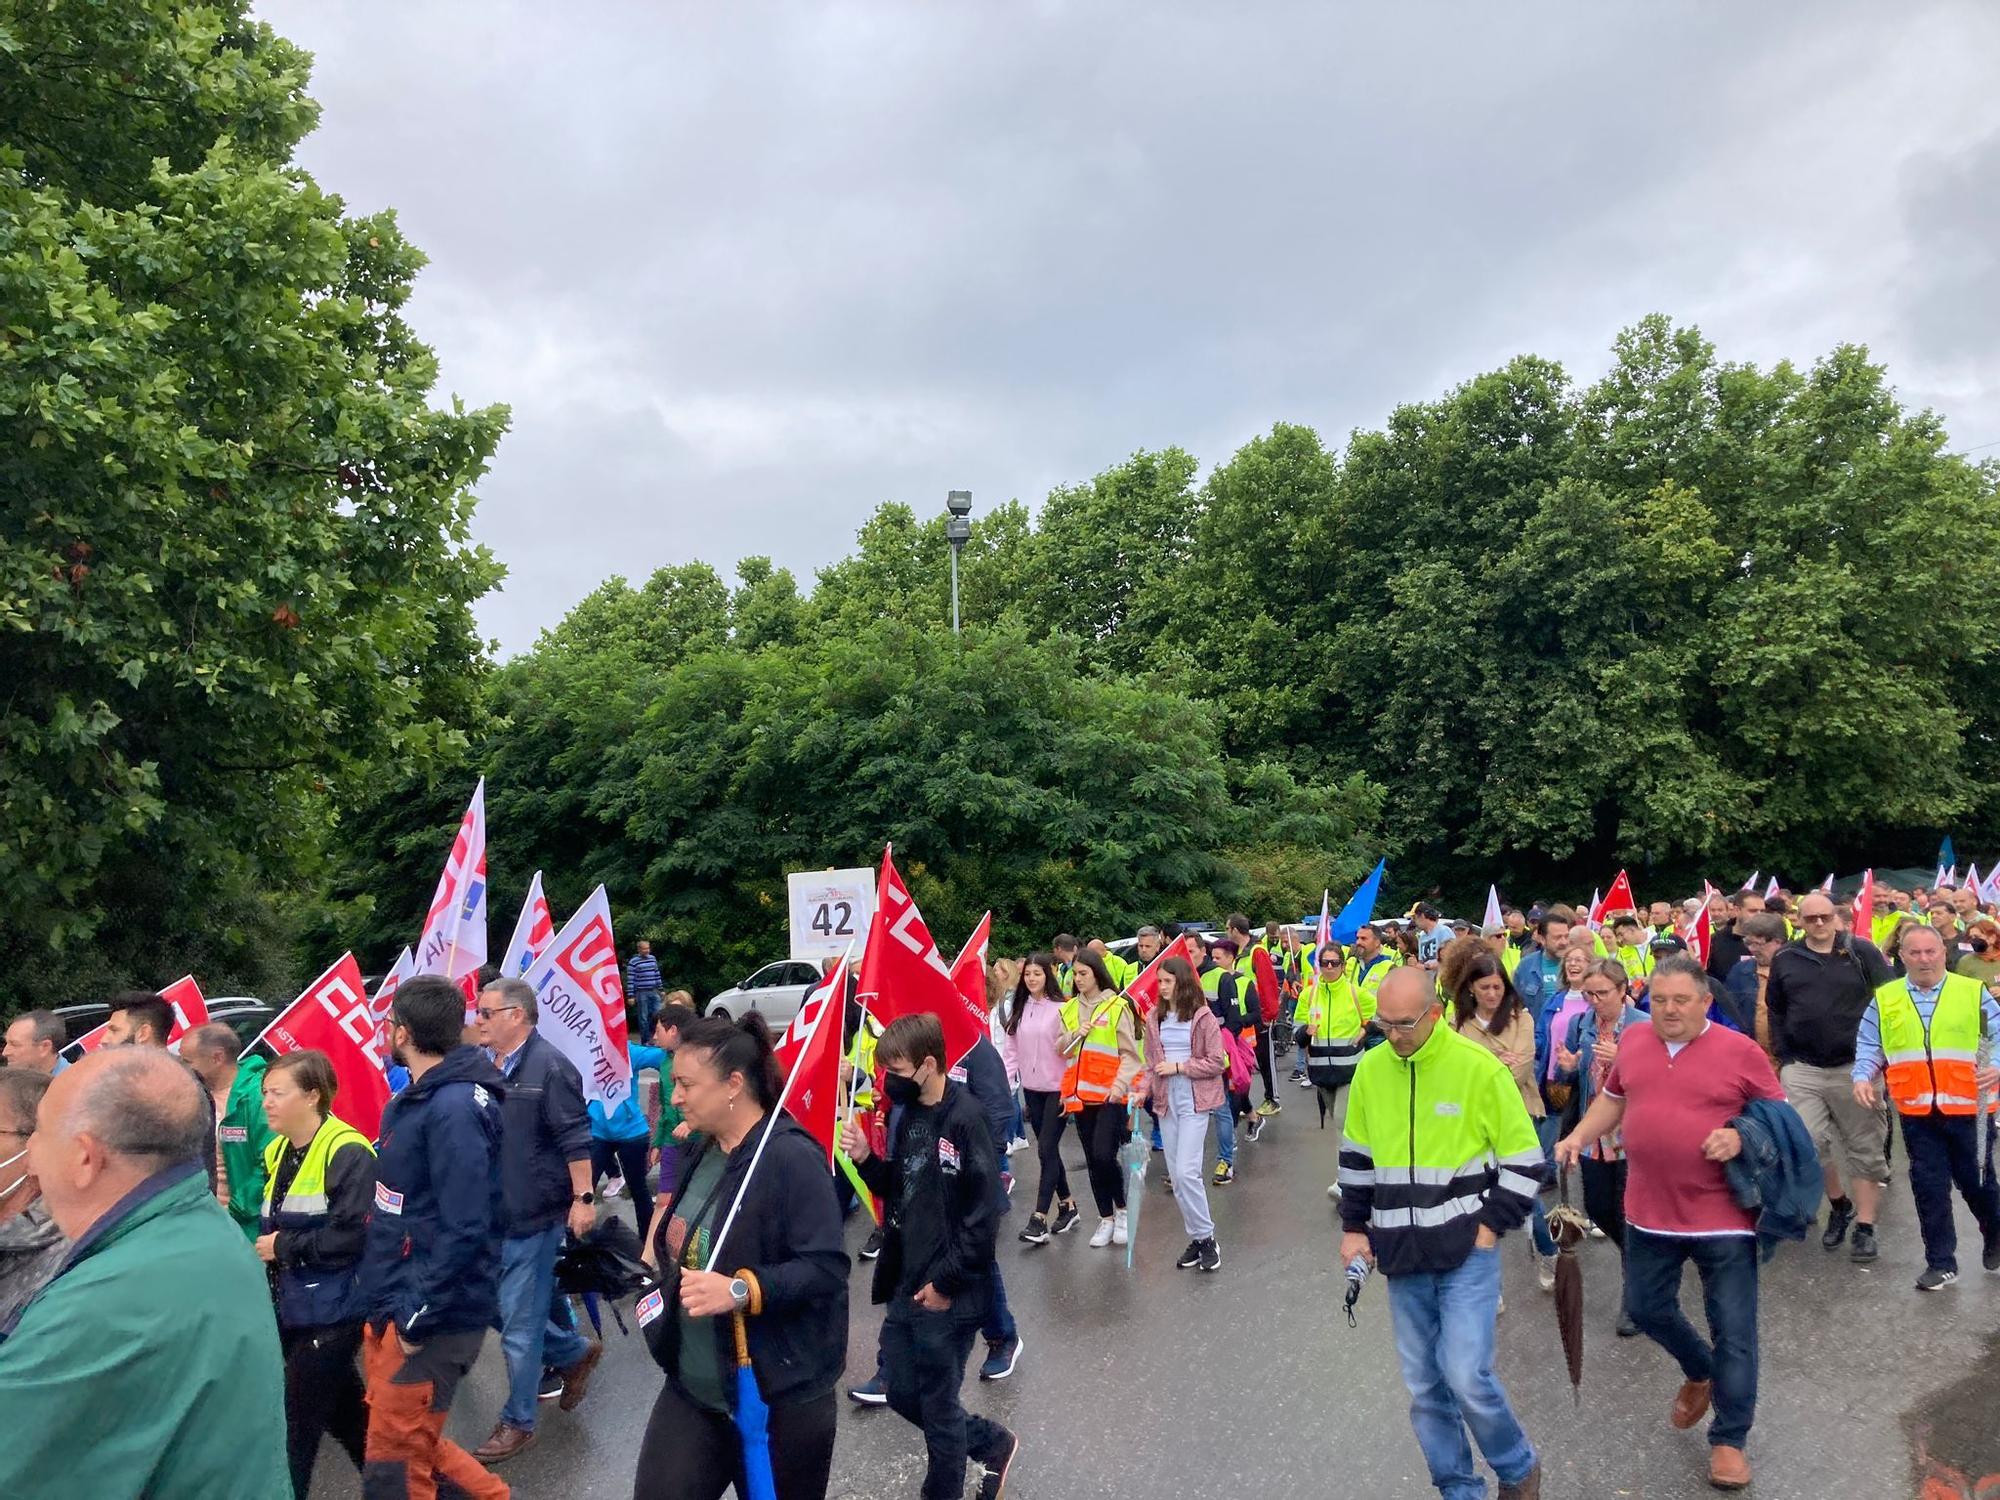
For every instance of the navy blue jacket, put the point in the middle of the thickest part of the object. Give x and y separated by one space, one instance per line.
1776 1172
432 1260
548 1127
986 1080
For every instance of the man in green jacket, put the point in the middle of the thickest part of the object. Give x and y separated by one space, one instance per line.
241 1132
149 1365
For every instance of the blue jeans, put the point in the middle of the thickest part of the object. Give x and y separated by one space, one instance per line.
1444 1337
647 1003
529 1336
1728 1267
1225 1131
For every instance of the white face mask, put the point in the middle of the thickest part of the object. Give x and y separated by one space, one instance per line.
8 1190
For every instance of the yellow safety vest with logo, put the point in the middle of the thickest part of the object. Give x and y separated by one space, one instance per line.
1093 1067
1066 978
1638 962
307 1194
1510 958
1369 976
1880 928
861 1061
1934 1067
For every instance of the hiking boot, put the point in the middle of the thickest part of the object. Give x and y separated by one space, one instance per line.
871 1392
1101 1236
1190 1257
1121 1230
1934 1280
1270 1107
1527 1487
504 1443
1224 1174
872 1246
1837 1220
1728 1469
576 1379
1036 1232
1253 1129
1862 1251
1066 1218
1208 1255
1691 1404
1001 1357
993 1484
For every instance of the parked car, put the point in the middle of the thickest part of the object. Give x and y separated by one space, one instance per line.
775 992
246 1015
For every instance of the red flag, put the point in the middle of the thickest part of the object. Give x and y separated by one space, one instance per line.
968 970
190 1011
333 1015
1266 974
828 994
1864 908
1701 929
1617 899
902 973
812 1090
1144 992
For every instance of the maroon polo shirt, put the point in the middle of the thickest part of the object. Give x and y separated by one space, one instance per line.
1671 1106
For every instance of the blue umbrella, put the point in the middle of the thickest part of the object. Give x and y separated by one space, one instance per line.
753 1423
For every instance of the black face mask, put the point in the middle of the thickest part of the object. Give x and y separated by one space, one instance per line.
901 1090
1979 945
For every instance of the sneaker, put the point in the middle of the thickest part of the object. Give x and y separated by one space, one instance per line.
1007 1183
1036 1232
1158 1144
1596 1233
1270 1107
872 1246
1253 1129
1934 1280
1121 1232
1333 1191
1499 1305
1545 1271
1019 1143
1066 1218
1299 1077
1167 1183
1190 1257
871 1392
551 1386
1224 1174
1862 1249
1837 1220
1101 1236
614 1187
1627 1329
993 1485
1989 1255
1211 1255
1001 1357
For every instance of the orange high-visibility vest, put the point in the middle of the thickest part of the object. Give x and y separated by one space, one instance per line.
1935 1065
1093 1068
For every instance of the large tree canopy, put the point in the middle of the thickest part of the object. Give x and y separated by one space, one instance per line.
234 572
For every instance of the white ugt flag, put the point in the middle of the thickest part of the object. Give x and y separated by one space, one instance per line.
454 940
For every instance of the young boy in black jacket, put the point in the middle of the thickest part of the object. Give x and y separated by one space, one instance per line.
940 1196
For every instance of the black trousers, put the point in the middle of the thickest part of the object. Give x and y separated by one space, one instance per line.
1046 1116
626 1159
1944 1153
924 1354
1604 1197
1263 1045
691 1453
1102 1129
323 1394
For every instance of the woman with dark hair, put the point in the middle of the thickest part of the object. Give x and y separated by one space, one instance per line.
1584 1056
1101 1039
1035 1022
319 1186
1183 1078
777 1281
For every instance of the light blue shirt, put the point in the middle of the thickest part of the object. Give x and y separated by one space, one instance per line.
1869 1059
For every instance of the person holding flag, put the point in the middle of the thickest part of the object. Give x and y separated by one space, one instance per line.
751 1240
1102 1042
938 1189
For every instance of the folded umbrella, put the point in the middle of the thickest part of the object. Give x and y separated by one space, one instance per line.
753 1422
1132 1157
1569 1228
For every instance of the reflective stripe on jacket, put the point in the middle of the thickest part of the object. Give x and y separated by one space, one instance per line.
1935 1066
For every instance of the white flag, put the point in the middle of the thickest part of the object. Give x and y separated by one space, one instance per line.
454 940
1493 918
1771 889
534 930
582 1002
1826 886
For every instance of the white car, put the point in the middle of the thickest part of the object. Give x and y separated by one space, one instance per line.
775 992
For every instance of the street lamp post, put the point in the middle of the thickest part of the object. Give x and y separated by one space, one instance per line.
957 531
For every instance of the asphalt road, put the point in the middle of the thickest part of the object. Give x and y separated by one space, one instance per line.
1156 1383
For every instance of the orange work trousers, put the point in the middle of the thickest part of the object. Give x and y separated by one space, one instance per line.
408 1455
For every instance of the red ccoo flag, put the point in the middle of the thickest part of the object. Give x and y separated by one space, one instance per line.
1617 899
968 970
902 973
334 1016
1864 908
812 1064
190 1011
1144 992
1701 930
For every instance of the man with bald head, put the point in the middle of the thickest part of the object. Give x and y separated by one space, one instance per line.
149 1365
1438 1159
235 1083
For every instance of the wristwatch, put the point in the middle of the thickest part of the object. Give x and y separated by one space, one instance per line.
586 1198
740 1290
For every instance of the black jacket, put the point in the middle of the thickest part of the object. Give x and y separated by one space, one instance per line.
1724 949
547 1128
432 1259
985 1077
1817 1000
786 1241
939 1188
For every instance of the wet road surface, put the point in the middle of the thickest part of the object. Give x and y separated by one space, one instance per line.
1157 1384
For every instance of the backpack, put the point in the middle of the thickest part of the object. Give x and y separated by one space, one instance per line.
1242 1063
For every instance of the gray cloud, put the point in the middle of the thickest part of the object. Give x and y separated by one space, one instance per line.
746 271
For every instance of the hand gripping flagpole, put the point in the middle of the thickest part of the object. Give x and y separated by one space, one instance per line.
771 1121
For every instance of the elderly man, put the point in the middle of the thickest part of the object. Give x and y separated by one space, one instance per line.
235 1082
31 1246
35 1041
545 1169
1929 1038
176 1389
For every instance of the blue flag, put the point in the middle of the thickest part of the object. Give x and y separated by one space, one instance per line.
1947 856
1360 908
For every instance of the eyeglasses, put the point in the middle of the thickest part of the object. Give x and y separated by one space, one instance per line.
488 1012
1402 1027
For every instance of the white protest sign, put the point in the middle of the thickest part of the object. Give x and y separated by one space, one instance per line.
582 1002
831 910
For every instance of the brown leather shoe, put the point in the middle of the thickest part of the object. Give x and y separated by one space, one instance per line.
576 1379
1691 1405
1728 1469
504 1444
1527 1487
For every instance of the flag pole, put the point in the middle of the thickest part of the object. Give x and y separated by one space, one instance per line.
770 1122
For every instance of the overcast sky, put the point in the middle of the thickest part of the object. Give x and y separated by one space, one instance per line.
745 271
